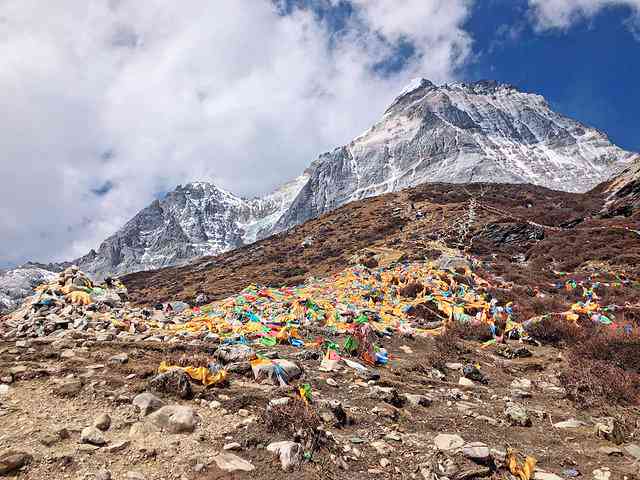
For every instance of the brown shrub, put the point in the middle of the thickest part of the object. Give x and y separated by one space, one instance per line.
590 382
620 349
479 332
411 290
447 349
555 330
292 417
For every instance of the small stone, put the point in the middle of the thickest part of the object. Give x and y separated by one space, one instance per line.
517 415
382 447
571 472
119 359
477 451
175 419
290 453
243 412
199 467
384 462
278 402
445 442
356 440
393 436
4 390
229 462
92 436
117 447
103 422
571 423
68 353
103 475
86 448
232 446
332 382
68 388
453 366
7 379
147 403
465 382
601 474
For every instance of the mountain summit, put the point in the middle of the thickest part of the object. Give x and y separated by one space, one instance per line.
457 133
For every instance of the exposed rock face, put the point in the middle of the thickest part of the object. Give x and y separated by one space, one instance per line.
624 198
194 220
459 133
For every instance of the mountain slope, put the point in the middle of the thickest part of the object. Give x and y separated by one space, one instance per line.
624 192
459 133
526 233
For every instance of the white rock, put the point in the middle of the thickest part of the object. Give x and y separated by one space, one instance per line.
175 419
571 423
290 453
147 403
476 451
232 463
93 436
446 441
382 447
465 382
601 474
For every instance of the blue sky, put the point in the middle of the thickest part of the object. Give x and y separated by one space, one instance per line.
590 72
108 104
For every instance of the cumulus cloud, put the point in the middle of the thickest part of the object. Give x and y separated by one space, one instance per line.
561 14
107 103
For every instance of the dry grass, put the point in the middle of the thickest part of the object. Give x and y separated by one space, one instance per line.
603 367
479 332
592 382
555 330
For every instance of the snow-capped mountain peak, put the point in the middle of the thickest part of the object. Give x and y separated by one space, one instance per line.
459 132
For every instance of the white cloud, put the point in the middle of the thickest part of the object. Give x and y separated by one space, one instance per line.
151 94
561 14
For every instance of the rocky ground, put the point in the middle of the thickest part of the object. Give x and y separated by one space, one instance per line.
77 408
95 387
